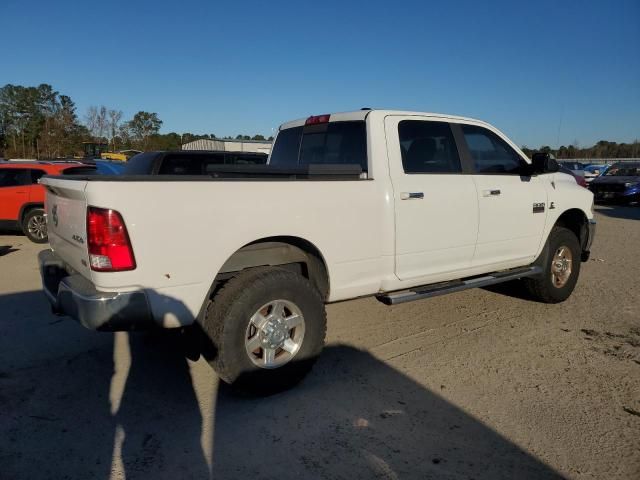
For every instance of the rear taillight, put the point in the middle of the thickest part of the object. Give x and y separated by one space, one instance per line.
109 245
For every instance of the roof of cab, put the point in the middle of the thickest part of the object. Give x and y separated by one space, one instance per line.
362 115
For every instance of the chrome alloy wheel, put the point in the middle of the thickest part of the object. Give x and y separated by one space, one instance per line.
561 266
37 227
274 334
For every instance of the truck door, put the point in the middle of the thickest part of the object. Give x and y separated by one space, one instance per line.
512 205
436 206
14 192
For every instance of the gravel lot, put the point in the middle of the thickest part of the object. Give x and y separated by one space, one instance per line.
478 384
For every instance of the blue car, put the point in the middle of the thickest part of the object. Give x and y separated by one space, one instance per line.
110 167
620 183
594 171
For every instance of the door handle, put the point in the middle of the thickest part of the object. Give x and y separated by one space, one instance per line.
411 195
494 192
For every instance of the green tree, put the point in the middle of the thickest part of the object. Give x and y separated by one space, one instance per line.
61 134
143 126
113 123
37 122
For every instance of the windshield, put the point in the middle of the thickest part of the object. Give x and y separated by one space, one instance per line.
624 170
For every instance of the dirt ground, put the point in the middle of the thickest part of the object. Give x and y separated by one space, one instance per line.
478 384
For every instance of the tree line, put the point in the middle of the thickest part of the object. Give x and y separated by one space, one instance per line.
602 149
39 122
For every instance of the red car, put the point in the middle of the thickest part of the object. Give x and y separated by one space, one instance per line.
22 198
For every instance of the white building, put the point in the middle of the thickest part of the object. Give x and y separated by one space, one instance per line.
256 146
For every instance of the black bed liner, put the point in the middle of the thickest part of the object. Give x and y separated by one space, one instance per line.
240 173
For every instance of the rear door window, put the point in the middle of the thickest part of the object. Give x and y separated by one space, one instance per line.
428 147
14 177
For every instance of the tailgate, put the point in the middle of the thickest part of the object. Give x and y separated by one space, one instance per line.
66 209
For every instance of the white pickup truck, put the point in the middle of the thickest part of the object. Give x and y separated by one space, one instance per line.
397 205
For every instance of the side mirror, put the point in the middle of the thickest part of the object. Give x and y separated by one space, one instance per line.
544 163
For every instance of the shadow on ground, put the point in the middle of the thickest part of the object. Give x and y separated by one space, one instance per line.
68 413
6 249
12 232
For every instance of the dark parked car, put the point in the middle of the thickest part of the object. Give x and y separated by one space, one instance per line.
620 183
188 162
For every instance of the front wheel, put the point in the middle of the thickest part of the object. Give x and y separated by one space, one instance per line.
561 267
34 226
264 330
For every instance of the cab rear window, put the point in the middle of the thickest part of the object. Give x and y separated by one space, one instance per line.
329 143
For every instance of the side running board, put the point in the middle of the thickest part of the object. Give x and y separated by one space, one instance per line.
418 293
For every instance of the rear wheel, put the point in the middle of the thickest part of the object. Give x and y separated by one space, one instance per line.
264 330
34 226
561 267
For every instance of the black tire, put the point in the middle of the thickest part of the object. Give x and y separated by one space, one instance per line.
542 287
34 226
226 323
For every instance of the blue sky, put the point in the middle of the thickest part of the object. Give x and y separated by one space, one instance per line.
545 72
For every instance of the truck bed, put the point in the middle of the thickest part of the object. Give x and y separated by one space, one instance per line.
184 228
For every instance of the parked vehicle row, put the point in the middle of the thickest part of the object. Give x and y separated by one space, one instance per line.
588 172
620 183
22 199
576 167
580 180
189 162
400 205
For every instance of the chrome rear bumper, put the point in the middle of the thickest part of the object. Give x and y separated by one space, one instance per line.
73 295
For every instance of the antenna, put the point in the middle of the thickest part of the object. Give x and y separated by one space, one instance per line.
560 126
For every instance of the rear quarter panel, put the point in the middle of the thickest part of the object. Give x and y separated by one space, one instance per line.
183 232
36 194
